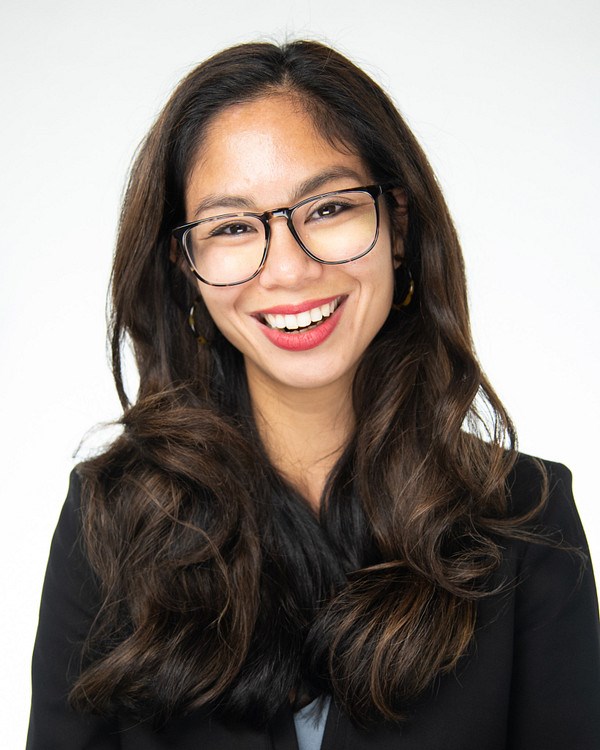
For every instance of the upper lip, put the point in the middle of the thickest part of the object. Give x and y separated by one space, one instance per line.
295 309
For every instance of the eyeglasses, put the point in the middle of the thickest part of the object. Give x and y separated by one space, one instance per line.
331 228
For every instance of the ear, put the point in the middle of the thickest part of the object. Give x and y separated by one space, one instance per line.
399 223
178 259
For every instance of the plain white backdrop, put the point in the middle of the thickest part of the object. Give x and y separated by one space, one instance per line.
504 98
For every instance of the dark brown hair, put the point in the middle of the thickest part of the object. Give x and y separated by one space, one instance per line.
221 587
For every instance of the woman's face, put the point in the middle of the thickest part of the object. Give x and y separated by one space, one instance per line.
259 156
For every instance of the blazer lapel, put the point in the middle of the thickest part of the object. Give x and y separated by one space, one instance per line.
282 730
336 730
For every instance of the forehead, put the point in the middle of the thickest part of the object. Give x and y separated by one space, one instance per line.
264 149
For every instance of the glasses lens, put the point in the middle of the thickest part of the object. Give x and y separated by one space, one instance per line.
226 249
337 227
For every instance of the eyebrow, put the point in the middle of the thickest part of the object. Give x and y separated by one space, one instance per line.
306 188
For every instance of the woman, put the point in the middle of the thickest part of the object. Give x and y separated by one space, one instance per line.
315 522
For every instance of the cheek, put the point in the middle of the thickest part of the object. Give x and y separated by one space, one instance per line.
214 305
376 270
380 282
221 306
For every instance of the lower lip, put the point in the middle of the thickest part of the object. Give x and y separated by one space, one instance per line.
300 342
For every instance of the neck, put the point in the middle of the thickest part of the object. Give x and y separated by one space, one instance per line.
304 431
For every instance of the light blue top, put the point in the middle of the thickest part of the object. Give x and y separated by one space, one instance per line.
310 724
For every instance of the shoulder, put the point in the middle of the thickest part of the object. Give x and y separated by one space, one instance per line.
552 559
528 476
67 538
70 582
540 492
68 548
69 522
70 602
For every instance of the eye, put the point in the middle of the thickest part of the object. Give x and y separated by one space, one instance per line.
329 209
232 229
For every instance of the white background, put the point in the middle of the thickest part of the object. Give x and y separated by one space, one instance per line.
504 98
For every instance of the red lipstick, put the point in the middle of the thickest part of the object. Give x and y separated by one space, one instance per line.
302 340
295 309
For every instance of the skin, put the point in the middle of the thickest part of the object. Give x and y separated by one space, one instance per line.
261 155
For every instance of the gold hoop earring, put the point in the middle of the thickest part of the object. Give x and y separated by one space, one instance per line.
404 289
202 340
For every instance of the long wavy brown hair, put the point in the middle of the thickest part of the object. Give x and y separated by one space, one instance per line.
221 588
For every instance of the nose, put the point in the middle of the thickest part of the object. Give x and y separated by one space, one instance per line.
287 264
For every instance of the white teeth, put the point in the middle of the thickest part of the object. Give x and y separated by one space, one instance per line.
303 319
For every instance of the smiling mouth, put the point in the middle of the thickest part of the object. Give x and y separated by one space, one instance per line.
300 322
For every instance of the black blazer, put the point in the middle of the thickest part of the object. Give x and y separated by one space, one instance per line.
531 679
